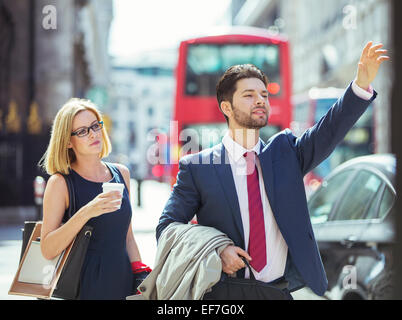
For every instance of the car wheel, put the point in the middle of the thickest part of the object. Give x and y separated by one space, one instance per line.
383 287
352 296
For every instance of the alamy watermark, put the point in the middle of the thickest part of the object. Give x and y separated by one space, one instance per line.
349 281
49 21
169 148
349 21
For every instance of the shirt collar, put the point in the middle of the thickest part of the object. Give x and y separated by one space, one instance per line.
235 150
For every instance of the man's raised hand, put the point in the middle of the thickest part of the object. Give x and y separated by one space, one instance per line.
370 61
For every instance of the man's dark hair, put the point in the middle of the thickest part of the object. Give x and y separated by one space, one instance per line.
226 86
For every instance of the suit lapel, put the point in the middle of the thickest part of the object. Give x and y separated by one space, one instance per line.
225 176
265 157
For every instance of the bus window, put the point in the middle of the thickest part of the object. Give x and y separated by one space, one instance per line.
301 118
322 107
206 63
358 142
309 108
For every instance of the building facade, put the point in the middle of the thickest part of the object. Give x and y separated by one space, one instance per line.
326 39
50 51
142 98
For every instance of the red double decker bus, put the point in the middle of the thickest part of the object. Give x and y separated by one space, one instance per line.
201 63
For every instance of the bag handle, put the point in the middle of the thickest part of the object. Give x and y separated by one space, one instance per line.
280 283
252 277
249 268
71 193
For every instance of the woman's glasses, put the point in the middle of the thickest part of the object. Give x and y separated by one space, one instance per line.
84 131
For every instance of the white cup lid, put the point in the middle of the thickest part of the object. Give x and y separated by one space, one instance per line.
113 186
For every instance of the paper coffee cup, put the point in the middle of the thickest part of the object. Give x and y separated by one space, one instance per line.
107 187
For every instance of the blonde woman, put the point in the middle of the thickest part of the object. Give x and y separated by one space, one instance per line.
77 146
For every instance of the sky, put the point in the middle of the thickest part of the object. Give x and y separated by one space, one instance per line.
142 25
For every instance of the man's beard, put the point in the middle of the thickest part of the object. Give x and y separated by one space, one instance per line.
245 120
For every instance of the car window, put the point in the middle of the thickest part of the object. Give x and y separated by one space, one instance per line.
358 196
372 212
323 200
387 202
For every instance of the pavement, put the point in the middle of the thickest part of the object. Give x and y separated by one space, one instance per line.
144 221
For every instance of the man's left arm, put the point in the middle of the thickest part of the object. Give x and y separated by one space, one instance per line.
317 143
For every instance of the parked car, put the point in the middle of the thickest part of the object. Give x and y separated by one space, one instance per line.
352 214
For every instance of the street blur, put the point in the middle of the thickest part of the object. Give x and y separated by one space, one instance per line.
153 79
144 220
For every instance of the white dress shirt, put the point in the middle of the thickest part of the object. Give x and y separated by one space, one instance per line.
276 246
361 93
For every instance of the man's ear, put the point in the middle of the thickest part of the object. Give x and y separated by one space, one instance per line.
226 108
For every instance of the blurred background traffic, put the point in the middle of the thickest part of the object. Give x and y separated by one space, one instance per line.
151 67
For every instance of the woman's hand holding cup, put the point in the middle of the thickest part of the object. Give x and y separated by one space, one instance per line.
106 202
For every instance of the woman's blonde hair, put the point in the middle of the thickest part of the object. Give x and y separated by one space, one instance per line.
58 157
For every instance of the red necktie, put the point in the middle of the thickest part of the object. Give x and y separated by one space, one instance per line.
257 245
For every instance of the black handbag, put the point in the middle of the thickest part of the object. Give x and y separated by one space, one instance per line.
68 284
229 288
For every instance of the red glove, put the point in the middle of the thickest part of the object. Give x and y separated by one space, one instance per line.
138 267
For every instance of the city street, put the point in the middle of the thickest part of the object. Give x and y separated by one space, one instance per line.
144 222
318 83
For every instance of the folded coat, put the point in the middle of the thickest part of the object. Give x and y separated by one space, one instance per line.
187 263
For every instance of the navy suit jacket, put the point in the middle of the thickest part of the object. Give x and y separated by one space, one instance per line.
205 187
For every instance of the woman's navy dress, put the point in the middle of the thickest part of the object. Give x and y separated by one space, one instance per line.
106 273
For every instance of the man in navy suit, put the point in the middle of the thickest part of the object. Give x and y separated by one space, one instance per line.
254 191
